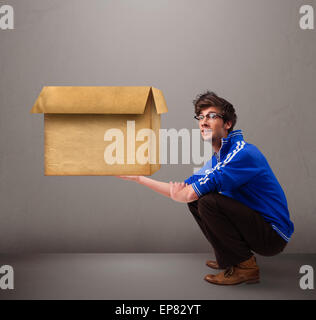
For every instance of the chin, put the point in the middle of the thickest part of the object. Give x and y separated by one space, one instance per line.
207 137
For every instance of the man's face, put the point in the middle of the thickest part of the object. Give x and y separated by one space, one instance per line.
213 128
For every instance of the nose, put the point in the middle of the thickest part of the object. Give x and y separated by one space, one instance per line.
204 121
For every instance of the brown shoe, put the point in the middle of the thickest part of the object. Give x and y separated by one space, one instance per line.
212 264
246 271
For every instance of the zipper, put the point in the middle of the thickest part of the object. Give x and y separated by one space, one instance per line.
219 152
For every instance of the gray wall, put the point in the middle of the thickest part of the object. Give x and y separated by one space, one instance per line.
250 51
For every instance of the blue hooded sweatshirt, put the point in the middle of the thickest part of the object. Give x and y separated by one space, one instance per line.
240 171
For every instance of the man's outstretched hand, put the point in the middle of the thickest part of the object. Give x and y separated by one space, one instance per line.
177 191
130 178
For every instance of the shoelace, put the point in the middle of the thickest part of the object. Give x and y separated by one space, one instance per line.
229 272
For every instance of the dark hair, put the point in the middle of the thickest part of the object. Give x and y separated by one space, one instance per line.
211 99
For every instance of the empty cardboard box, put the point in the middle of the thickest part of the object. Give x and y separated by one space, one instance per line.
101 130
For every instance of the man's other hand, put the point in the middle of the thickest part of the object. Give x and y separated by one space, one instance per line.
181 192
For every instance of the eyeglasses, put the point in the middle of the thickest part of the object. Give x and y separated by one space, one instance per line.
211 115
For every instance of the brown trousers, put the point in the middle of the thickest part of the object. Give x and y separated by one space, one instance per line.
234 230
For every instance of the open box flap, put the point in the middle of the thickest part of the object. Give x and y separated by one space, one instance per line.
105 100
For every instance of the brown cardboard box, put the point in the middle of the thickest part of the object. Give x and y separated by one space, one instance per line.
101 130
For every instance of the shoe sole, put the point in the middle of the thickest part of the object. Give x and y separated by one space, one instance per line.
250 281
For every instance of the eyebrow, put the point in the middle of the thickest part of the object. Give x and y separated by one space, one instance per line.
201 114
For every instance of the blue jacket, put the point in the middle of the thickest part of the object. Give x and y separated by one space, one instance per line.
243 173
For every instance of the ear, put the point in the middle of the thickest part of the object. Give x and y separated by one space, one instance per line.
227 125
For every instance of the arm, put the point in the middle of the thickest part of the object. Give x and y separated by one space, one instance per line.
177 191
158 186
182 193
239 167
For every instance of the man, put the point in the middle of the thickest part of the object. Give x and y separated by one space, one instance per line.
235 198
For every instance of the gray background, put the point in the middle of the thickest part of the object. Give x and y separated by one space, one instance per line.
251 52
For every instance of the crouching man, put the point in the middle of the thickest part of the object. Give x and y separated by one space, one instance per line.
235 198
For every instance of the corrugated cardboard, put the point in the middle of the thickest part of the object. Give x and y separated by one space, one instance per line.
76 119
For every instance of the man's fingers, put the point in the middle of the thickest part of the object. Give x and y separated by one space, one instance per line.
130 178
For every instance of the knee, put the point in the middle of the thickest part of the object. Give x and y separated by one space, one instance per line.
208 200
193 205
207 204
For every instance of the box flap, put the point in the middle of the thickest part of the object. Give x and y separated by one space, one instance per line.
160 102
111 100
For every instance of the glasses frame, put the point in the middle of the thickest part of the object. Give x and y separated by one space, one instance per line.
208 116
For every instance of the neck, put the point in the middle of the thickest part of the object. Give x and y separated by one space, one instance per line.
217 143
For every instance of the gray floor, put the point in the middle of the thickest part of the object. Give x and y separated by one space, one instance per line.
146 276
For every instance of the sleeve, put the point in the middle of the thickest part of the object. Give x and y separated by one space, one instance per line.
200 173
193 178
239 167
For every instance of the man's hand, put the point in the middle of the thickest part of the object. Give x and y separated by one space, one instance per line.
181 192
175 188
130 178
